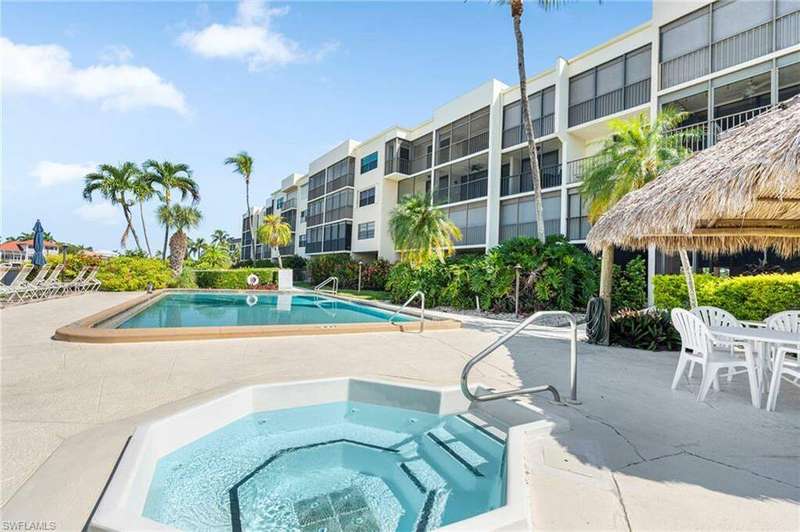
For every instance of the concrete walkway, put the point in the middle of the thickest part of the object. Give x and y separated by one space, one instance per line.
638 457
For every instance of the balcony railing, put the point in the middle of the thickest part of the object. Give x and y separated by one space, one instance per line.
541 127
340 182
578 227
519 183
313 219
472 236
703 135
339 213
509 231
609 103
316 192
313 247
461 192
400 166
289 204
577 169
739 48
337 244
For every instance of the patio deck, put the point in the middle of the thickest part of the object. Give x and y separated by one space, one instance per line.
638 457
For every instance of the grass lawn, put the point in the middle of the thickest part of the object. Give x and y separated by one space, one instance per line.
370 295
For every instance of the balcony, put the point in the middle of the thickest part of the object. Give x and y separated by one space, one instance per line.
337 244
528 229
286 250
541 127
579 167
736 49
474 144
289 205
400 166
345 180
313 219
421 163
578 227
706 134
313 247
612 102
474 235
316 192
550 176
339 213
461 192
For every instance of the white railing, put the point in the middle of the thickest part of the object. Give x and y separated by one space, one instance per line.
333 281
415 295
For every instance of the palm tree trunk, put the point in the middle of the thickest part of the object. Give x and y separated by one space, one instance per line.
129 218
166 228
606 281
687 273
144 229
250 222
280 260
516 15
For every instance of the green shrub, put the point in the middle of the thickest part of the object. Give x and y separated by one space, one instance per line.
752 297
122 274
187 279
644 329
234 279
373 273
216 257
629 290
556 275
75 261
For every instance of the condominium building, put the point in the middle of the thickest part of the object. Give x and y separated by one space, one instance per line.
721 62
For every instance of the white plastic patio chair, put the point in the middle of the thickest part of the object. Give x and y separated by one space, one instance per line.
716 317
697 345
784 362
12 290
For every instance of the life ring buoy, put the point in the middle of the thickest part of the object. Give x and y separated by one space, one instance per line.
252 299
252 280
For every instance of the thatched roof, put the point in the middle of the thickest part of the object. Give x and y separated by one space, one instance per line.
741 193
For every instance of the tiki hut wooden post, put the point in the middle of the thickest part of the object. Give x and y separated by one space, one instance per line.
742 193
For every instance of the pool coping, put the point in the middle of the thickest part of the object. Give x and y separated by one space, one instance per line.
85 330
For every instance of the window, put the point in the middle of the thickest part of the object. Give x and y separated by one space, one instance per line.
316 185
366 230
302 216
369 162
366 197
279 204
788 81
518 217
302 242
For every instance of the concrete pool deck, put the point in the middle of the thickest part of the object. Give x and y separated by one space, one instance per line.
638 457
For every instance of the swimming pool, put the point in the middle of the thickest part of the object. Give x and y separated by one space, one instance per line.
198 309
336 466
167 315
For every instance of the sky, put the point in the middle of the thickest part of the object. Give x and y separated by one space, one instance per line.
85 83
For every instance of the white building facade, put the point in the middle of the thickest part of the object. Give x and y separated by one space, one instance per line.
722 62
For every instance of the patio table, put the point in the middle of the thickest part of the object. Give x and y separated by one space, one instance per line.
761 338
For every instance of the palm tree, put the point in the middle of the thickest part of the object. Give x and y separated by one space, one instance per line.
197 246
171 176
243 165
143 191
275 232
114 183
179 217
220 236
637 152
517 8
422 231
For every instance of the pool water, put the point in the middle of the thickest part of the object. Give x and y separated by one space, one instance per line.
196 309
344 466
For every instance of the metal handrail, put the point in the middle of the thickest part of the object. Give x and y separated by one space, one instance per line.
331 279
573 362
421 295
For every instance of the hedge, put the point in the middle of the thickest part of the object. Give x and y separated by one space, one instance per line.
752 297
119 274
234 279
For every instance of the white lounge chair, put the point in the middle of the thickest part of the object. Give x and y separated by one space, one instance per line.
697 345
73 284
10 292
90 282
50 285
784 362
29 290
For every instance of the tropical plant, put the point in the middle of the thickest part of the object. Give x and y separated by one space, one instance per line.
421 231
650 329
637 152
214 256
171 176
196 246
243 165
275 232
517 9
143 191
180 217
28 235
114 183
220 236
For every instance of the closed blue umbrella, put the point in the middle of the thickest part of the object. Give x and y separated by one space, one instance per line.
38 244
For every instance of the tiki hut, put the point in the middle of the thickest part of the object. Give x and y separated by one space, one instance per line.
742 193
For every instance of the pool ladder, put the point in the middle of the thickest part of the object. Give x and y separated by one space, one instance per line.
332 279
421 295
573 363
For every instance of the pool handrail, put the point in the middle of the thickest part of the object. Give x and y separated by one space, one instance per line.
421 295
573 359
332 279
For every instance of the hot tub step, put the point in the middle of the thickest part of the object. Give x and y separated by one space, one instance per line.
459 450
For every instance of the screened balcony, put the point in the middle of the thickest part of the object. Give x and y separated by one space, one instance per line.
465 136
577 168
461 181
471 221
515 169
577 217
542 109
725 34
518 217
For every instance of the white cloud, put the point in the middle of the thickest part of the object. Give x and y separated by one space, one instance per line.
250 39
99 212
48 70
50 173
116 53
